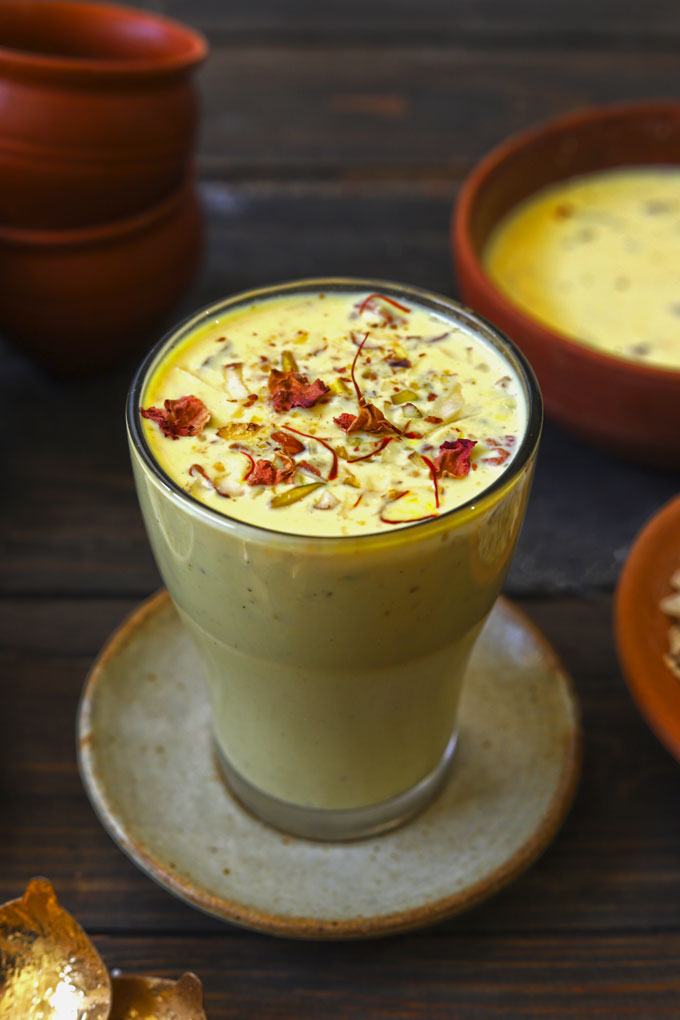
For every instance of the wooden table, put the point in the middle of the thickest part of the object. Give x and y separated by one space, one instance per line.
335 136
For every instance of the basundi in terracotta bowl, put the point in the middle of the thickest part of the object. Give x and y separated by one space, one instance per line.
80 301
98 111
627 407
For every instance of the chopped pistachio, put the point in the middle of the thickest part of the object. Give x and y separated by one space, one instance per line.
340 388
295 494
288 362
403 396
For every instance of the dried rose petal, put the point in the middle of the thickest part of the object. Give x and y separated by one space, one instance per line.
369 419
185 416
345 421
266 473
454 458
290 389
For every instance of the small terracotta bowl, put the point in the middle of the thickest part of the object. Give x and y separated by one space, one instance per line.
642 628
98 112
627 407
80 301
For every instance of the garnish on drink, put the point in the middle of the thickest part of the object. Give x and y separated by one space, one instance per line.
411 403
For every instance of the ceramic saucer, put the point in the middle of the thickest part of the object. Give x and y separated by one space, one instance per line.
147 763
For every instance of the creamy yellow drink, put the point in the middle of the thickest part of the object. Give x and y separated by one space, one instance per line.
333 481
598 258
304 463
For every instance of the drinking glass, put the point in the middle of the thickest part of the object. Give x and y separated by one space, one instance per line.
334 664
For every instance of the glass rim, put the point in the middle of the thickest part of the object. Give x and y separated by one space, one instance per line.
439 303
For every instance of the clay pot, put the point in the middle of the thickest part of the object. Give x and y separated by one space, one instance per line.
98 112
80 301
628 407
641 627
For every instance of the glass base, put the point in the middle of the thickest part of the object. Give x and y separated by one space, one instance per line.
344 824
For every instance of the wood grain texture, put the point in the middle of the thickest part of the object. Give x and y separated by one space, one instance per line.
341 111
382 22
421 976
604 872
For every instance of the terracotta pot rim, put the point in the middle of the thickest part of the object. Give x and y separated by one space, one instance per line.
100 233
194 52
465 252
651 684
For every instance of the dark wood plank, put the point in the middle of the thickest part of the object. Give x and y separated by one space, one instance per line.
613 867
329 111
508 977
381 21
69 520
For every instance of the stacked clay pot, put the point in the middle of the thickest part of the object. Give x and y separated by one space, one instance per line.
100 227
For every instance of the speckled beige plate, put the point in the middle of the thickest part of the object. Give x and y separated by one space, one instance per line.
147 764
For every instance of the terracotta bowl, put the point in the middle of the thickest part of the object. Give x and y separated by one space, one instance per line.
642 628
627 407
80 301
98 112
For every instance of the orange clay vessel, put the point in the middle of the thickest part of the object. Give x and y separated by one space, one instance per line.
98 112
642 627
80 301
630 408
